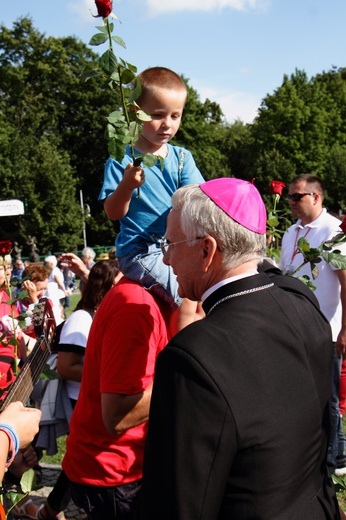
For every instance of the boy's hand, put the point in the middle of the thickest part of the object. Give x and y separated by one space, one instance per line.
133 177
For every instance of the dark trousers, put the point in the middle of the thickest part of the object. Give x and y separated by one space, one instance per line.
111 503
60 495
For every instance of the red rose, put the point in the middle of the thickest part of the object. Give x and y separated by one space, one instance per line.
276 187
104 7
343 224
5 247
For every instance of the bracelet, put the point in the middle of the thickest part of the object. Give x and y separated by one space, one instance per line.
13 440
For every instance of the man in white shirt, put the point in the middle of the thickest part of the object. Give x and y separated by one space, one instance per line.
306 196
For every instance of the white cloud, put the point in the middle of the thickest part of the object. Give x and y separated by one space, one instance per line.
234 104
238 105
159 6
83 9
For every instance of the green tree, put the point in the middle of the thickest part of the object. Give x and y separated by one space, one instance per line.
300 128
203 133
42 95
335 178
237 148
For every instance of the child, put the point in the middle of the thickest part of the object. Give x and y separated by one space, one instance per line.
143 218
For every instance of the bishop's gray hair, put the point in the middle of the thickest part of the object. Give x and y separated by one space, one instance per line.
200 216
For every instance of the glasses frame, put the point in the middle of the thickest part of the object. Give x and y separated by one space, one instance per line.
296 197
165 244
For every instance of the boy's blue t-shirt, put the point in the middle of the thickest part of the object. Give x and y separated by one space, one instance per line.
147 214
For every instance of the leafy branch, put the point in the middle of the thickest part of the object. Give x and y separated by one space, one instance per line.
125 125
315 255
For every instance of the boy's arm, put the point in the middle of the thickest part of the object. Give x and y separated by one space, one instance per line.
117 204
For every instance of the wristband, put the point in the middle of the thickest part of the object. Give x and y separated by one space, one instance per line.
14 442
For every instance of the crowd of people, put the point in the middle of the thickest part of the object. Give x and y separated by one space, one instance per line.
204 382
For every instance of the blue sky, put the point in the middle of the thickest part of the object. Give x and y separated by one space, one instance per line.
234 52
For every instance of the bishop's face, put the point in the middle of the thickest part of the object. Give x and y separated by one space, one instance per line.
183 255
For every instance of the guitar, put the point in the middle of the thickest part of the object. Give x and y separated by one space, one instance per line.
44 327
21 388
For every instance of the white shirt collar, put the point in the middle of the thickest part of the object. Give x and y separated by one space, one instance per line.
314 223
231 279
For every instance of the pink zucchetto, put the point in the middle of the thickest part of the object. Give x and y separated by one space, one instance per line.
240 200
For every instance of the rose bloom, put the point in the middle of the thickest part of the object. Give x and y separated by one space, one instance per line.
276 187
5 247
343 224
104 7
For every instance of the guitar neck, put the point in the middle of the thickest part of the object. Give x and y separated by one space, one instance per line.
45 327
29 374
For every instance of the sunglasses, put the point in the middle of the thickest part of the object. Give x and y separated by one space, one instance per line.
296 197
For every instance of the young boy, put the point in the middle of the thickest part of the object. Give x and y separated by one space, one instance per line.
143 219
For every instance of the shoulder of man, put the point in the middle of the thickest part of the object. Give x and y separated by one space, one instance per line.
287 282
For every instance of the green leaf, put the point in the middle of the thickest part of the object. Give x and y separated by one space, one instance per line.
336 259
116 116
21 295
303 245
116 149
119 41
306 280
132 67
135 129
126 76
143 116
115 77
314 270
48 374
13 341
150 160
89 73
14 497
272 222
110 132
108 62
98 39
27 481
338 239
102 28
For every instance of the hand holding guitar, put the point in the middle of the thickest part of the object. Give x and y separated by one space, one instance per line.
24 422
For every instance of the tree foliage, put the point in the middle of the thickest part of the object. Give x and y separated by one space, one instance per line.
203 132
46 108
301 128
53 144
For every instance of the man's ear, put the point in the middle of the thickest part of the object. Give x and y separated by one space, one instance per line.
209 249
317 198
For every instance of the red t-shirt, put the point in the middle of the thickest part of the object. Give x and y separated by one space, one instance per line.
127 334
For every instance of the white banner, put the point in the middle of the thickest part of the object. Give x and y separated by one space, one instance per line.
11 207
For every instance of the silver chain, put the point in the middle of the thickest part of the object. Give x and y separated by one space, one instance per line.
248 291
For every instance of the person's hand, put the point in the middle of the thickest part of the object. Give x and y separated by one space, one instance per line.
24 460
74 264
341 343
24 421
133 177
31 289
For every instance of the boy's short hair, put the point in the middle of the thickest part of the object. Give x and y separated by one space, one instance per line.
159 78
